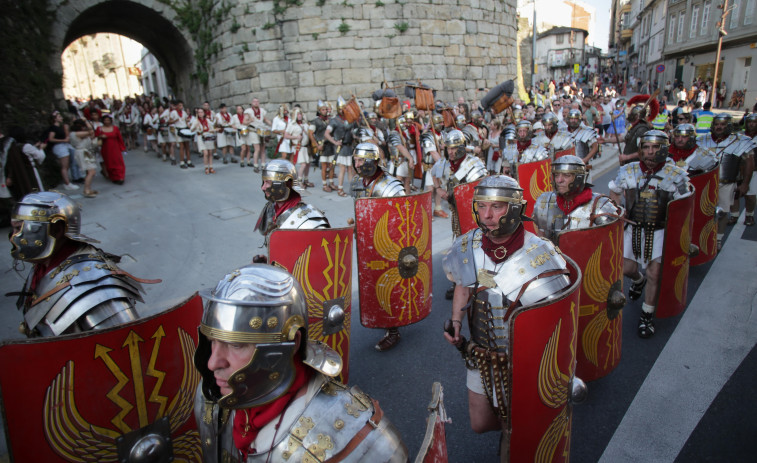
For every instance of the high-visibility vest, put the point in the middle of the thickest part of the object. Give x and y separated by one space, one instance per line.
704 121
660 121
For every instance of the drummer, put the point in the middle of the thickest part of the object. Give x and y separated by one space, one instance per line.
179 118
241 121
258 120
225 136
282 127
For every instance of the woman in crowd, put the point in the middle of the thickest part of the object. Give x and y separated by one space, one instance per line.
57 138
25 153
494 156
112 150
205 138
150 124
81 136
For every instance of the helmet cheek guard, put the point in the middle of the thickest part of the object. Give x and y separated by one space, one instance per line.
501 188
33 242
368 169
278 191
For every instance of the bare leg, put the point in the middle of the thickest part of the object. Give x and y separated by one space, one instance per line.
482 416
64 164
88 180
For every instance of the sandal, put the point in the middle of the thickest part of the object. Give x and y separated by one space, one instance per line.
212 170
391 338
341 192
749 220
327 189
207 171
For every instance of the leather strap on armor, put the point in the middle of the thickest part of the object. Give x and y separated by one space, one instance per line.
369 426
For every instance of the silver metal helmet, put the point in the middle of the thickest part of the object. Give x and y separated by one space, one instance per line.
280 172
370 153
637 112
725 117
656 137
550 121
570 164
38 211
505 189
372 115
340 103
322 104
437 120
476 117
460 119
528 126
574 118
262 305
686 130
454 141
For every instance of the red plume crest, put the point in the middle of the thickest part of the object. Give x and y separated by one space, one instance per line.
653 107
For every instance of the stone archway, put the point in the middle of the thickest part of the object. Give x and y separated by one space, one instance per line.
148 22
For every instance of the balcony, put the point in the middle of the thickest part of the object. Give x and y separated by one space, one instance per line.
626 34
625 8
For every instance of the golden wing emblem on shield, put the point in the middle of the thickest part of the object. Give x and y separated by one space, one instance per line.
537 188
74 439
336 274
683 271
406 252
706 204
553 392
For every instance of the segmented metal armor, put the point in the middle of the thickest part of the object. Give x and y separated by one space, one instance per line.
562 140
583 138
302 217
647 198
551 220
383 186
85 292
701 160
729 152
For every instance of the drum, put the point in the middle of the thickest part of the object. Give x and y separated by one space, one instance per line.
208 137
150 131
263 132
172 129
229 131
186 133
244 132
163 130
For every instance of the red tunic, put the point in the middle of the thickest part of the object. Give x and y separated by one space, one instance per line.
112 149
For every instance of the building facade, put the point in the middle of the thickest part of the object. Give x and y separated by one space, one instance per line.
558 50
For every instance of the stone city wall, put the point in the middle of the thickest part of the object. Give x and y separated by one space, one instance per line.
313 52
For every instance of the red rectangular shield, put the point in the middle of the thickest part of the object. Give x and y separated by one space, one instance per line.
464 206
705 230
674 280
76 396
541 368
535 178
598 251
394 259
570 151
321 261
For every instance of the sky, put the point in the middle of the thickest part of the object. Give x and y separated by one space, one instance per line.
602 21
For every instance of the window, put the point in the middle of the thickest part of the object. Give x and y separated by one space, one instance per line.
671 29
735 15
749 12
681 19
705 17
659 42
694 21
559 39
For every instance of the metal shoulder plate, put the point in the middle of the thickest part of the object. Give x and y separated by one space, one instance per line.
701 160
470 170
510 153
547 216
585 135
86 284
428 143
562 140
628 176
673 178
459 263
386 186
536 257
605 206
541 140
302 217
534 153
327 425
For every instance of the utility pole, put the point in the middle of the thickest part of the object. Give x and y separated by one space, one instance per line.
721 33
533 52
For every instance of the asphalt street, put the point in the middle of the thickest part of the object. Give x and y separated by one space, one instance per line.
682 395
